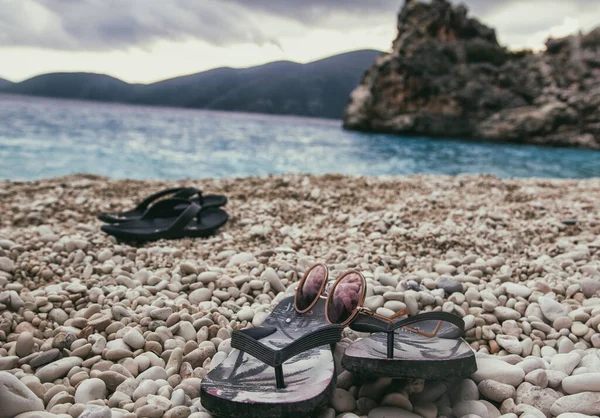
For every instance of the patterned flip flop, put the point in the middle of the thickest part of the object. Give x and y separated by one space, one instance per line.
283 368
427 346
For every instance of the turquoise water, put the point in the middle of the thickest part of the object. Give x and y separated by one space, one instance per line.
46 137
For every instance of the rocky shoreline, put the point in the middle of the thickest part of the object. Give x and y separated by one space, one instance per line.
447 76
90 327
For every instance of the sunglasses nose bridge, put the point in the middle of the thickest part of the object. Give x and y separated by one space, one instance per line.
328 287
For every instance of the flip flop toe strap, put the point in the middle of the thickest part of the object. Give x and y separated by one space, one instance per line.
168 208
247 341
178 192
367 323
189 192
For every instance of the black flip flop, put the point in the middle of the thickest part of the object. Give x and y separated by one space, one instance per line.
427 346
254 381
205 201
166 220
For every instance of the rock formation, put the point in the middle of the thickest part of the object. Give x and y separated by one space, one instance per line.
448 76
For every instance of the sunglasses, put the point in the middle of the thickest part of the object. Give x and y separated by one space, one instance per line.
344 300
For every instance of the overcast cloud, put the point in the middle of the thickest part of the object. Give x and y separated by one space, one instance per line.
101 25
149 40
117 24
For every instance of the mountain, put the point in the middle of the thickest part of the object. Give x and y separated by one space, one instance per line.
447 75
87 86
4 83
320 88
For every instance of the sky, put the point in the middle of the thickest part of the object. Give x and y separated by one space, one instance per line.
142 41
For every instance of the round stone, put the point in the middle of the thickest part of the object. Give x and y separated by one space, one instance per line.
590 287
397 399
134 339
465 390
57 369
89 390
271 276
509 343
147 387
16 397
583 403
449 285
586 382
443 268
96 411
200 295
469 407
517 289
187 331
579 329
552 309
537 377
241 258
246 314
499 371
343 401
188 267
24 345
565 363
496 391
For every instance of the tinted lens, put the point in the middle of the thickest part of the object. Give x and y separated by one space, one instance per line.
345 297
311 287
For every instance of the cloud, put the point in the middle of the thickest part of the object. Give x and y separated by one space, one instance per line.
322 12
516 27
111 25
102 25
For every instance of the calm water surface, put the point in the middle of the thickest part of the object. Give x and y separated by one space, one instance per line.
46 137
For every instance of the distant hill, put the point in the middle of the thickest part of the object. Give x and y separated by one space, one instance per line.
320 88
87 86
4 83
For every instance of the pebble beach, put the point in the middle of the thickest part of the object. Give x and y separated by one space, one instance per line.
95 328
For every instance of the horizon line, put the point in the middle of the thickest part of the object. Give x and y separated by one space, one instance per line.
188 74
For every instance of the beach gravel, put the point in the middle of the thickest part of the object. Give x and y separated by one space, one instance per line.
94 327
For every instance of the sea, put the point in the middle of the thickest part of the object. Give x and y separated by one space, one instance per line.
41 137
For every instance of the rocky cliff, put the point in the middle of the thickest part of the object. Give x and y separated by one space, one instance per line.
448 76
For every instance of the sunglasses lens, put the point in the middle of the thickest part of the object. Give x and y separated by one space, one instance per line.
309 291
345 298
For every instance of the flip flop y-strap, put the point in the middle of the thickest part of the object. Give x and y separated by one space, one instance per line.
168 205
246 340
190 192
177 192
449 326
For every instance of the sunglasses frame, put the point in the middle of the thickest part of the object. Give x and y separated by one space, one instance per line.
361 300
301 284
359 307
319 295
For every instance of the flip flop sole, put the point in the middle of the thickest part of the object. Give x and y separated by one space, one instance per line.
415 356
153 229
243 386
209 201
249 390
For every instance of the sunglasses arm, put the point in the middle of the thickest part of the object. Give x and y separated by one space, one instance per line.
390 319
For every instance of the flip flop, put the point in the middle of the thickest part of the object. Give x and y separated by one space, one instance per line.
205 201
427 346
285 367
245 384
165 219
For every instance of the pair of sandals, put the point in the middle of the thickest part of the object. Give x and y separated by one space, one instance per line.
171 213
285 367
